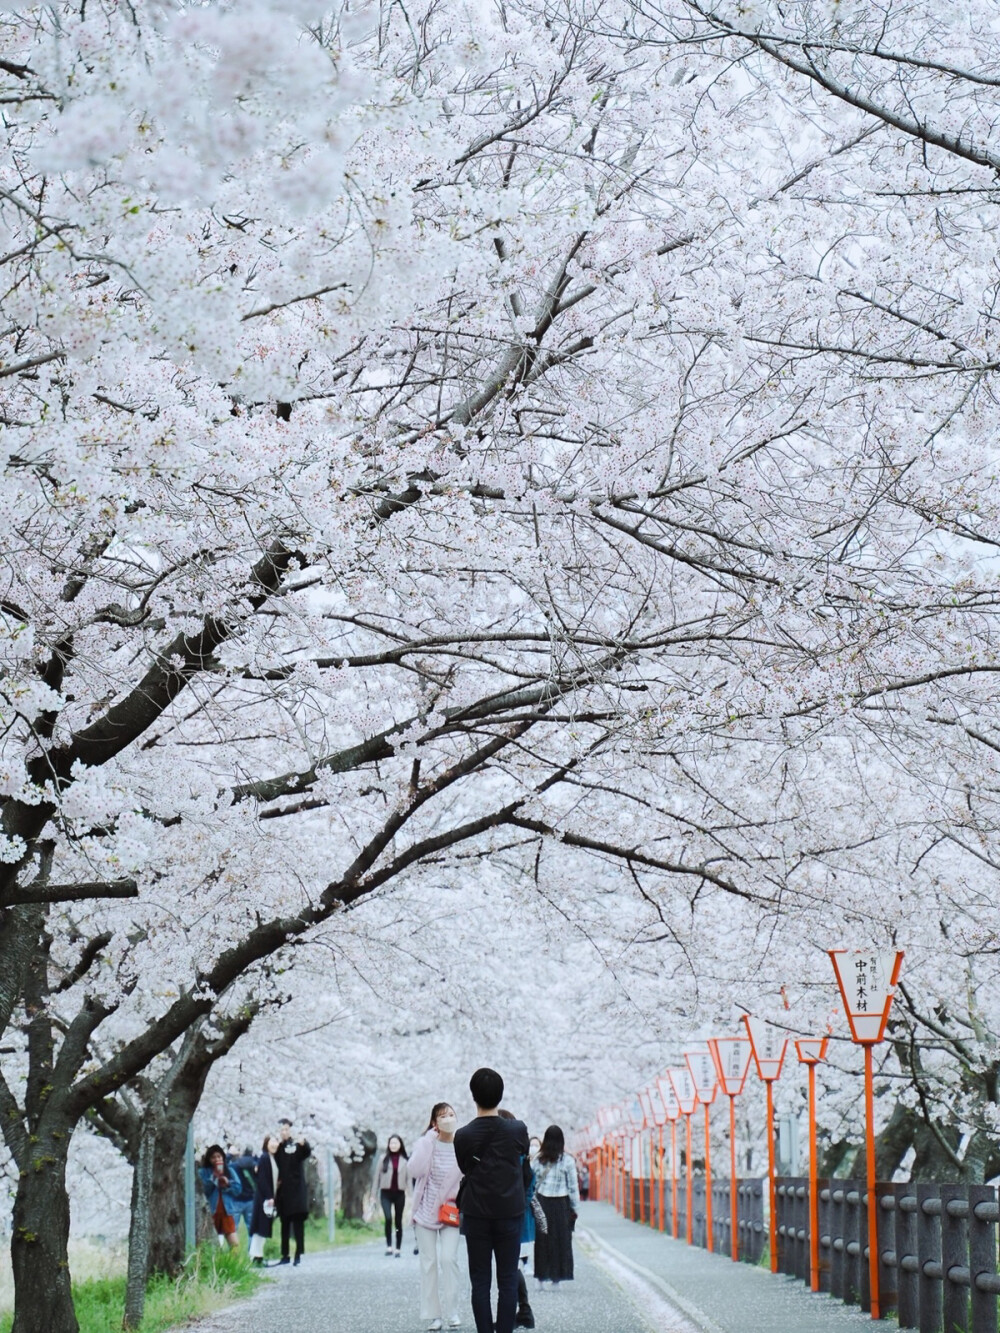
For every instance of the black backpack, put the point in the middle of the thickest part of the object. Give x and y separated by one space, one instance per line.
243 1178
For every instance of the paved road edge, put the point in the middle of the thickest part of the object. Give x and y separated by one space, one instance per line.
697 1317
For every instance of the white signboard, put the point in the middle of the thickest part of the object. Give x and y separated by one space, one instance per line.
732 1056
657 1111
768 1045
811 1050
867 980
668 1097
687 1093
703 1072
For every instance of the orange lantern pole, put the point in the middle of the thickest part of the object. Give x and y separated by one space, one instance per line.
731 1057
649 1112
656 1111
687 1100
671 1110
660 1159
640 1121
811 1050
867 980
706 1083
769 1055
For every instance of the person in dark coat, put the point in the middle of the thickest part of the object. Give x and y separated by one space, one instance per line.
293 1199
266 1186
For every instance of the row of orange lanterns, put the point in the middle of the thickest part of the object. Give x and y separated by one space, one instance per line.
866 979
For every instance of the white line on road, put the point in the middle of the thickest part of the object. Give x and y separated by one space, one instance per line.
665 1309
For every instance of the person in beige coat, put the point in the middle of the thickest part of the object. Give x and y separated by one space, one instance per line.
394 1177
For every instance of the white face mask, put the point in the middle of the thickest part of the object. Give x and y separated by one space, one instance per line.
447 1124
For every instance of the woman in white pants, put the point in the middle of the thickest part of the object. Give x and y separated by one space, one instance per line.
436 1178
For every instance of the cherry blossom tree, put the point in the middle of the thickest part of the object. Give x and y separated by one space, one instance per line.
526 438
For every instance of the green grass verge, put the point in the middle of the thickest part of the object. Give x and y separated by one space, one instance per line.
212 1279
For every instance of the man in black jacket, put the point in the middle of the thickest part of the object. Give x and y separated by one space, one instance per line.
491 1152
292 1197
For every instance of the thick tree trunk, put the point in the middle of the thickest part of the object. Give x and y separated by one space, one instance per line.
40 1235
139 1226
166 1232
357 1169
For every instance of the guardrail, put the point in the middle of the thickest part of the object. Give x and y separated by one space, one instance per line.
937 1244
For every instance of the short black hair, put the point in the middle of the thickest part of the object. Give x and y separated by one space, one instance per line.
285 1121
486 1087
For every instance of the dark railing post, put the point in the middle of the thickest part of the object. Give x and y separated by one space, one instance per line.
838 1192
983 1215
864 1271
888 1272
928 1257
757 1216
781 1207
955 1257
802 1230
852 1243
907 1274
825 1238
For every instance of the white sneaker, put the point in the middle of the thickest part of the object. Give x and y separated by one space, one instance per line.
434 1325
455 1323
388 1252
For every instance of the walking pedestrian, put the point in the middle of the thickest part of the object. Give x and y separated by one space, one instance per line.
525 1316
218 1180
491 1153
583 1175
266 1185
244 1166
394 1177
436 1179
293 1201
558 1192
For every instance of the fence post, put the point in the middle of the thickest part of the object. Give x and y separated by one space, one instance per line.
955 1257
983 1214
802 1265
781 1219
852 1243
929 1256
838 1192
905 1245
825 1238
190 1220
888 1272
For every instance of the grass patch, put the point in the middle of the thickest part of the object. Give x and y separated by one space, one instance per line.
212 1278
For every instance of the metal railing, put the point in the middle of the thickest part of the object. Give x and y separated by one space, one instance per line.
937 1244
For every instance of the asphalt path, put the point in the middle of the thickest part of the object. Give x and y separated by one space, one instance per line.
358 1289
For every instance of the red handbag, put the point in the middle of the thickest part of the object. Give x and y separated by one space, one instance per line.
448 1213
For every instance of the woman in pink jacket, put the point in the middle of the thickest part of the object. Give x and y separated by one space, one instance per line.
436 1178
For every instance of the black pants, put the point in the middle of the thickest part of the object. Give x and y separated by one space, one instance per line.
486 1237
393 1199
293 1226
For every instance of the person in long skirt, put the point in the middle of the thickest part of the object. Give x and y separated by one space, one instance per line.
558 1191
265 1193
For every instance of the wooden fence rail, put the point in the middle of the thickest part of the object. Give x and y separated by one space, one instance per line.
937 1244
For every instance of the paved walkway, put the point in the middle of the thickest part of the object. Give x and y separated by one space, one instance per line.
358 1289
717 1295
